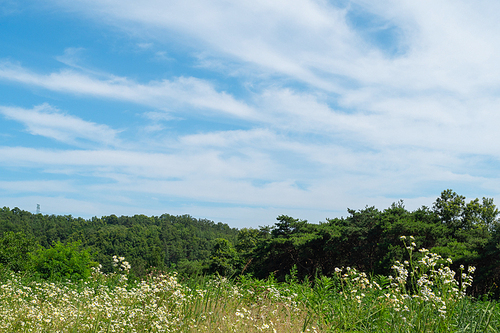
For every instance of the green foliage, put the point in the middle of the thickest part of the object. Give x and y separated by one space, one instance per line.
14 251
458 215
366 239
224 259
450 209
286 226
189 269
62 261
156 242
423 295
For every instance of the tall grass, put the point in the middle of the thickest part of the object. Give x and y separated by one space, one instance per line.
423 295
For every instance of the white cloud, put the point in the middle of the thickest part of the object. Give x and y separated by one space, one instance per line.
72 57
450 45
449 66
229 138
333 119
165 94
275 35
46 121
194 164
254 170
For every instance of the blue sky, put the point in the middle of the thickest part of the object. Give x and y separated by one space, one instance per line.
242 111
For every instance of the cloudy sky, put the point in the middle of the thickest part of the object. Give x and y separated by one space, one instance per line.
239 111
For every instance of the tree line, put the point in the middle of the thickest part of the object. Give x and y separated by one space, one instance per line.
368 239
163 242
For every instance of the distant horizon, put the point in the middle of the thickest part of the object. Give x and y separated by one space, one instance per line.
238 225
240 112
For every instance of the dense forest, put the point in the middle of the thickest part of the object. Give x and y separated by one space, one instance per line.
368 239
161 242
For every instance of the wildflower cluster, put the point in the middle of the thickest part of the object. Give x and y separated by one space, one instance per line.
260 307
421 296
158 303
121 264
355 284
428 282
49 307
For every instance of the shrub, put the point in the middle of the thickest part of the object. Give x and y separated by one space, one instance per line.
62 261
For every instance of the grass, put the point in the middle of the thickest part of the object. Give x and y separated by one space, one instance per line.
424 295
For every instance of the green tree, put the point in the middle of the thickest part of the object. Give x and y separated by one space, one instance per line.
286 226
450 208
62 261
482 215
459 215
224 259
15 249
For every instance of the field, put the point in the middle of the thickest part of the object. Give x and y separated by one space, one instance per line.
422 296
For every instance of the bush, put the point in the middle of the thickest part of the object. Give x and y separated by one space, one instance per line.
62 261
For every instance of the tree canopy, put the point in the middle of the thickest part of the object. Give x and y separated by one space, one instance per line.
367 239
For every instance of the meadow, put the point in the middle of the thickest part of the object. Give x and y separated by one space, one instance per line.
422 295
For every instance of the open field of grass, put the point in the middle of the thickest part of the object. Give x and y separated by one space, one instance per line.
421 296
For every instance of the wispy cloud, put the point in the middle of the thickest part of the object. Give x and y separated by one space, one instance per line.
165 94
444 82
450 45
72 57
47 121
325 105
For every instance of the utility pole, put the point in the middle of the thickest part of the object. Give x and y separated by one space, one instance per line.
37 209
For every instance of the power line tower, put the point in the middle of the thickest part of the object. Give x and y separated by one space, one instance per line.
37 209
